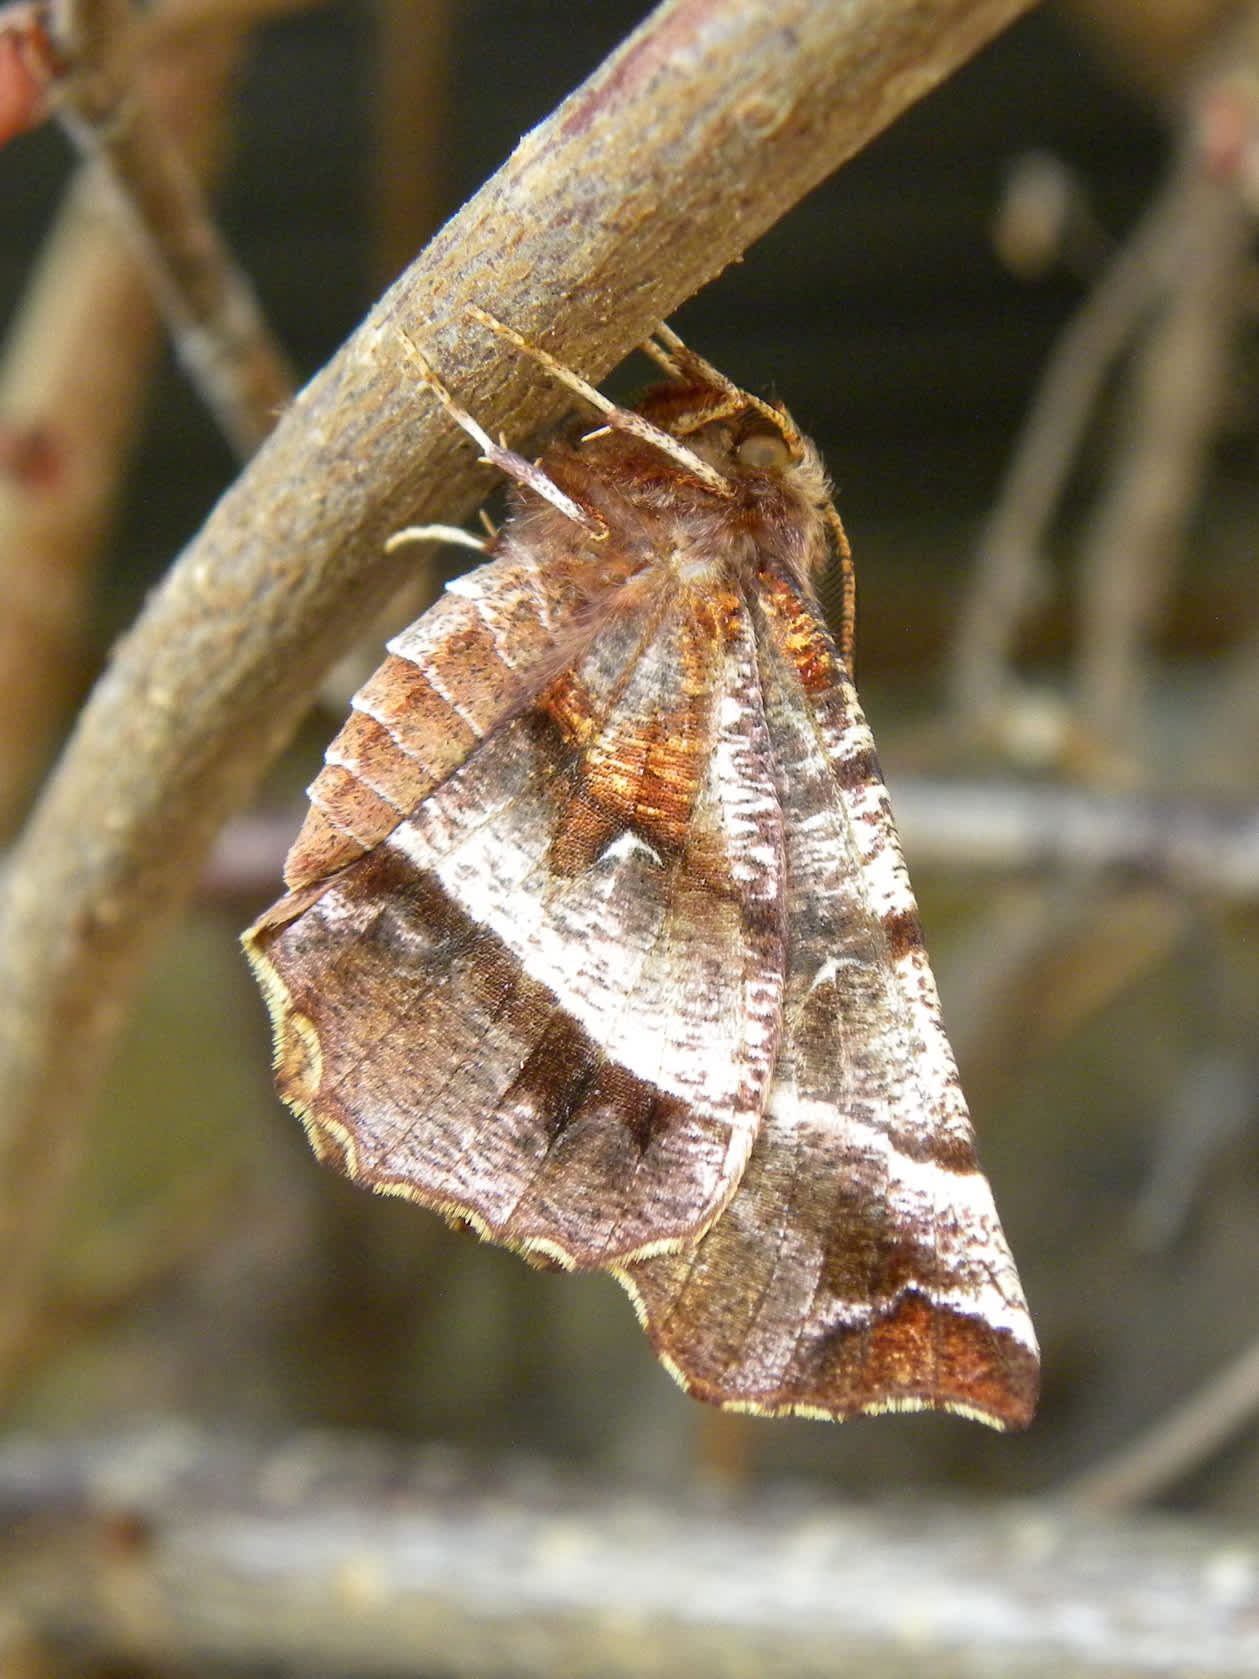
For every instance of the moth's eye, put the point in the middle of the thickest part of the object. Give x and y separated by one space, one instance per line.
764 449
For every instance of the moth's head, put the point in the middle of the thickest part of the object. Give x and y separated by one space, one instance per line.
771 496
751 443
727 426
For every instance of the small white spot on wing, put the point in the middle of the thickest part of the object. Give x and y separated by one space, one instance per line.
629 844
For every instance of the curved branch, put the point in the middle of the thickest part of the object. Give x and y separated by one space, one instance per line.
695 136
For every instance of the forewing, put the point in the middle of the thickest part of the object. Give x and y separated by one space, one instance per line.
861 1265
548 1000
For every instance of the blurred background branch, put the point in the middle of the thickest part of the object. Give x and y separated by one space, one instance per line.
176 1547
991 827
76 364
207 304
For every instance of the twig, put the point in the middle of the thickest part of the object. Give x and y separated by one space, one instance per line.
1007 577
1178 386
709 122
71 388
1193 845
1185 268
1210 1105
413 72
219 333
335 1554
1177 1444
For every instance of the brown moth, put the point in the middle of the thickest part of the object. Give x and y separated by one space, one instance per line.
598 937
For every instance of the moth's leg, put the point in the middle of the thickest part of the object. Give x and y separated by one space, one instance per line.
614 418
438 533
514 466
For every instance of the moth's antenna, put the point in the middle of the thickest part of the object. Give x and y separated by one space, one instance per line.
668 351
660 355
619 419
845 636
681 362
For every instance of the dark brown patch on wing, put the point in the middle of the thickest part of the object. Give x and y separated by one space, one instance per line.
808 1296
435 1068
920 1354
856 769
903 932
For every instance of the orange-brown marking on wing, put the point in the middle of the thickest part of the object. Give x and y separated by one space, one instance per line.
402 740
640 771
808 647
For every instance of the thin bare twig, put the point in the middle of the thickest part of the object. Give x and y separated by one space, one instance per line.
1178 387
703 128
1041 957
1185 270
336 1554
1209 1106
1194 845
1007 579
219 333
413 72
997 827
71 383
1174 1446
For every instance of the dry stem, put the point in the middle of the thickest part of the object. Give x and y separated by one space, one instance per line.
1178 387
1179 284
1008 571
413 73
1189 845
1193 844
1177 1444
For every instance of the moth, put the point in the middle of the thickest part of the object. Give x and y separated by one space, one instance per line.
598 939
